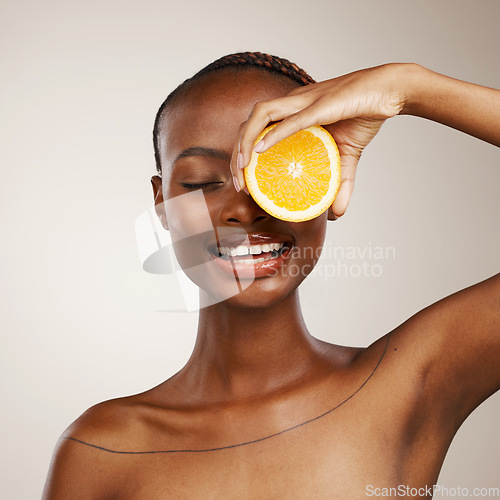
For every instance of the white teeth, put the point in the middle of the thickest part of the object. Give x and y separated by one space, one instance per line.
241 250
252 249
253 261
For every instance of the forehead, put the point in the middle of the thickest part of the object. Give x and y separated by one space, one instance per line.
209 113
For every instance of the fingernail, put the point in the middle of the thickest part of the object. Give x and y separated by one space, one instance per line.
258 146
246 191
236 184
239 161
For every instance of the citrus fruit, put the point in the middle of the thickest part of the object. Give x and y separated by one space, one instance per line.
298 178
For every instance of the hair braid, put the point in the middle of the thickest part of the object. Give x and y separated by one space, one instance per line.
273 64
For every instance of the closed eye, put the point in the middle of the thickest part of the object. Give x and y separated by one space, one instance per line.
202 185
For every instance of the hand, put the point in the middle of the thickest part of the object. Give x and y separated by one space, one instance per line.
352 108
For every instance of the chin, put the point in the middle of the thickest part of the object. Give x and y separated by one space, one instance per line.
260 293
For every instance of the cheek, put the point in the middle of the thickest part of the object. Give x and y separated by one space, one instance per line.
190 227
187 214
311 236
309 245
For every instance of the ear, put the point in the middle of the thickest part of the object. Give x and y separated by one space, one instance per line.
156 182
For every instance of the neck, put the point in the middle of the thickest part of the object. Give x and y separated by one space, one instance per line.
244 352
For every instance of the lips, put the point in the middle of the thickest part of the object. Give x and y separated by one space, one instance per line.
249 256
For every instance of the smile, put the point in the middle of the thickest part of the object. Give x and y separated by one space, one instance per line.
259 257
271 249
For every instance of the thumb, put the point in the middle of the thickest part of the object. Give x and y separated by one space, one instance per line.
348 165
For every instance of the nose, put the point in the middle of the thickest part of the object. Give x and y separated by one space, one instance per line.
241 209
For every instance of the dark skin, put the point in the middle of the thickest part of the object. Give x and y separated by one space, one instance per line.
256 370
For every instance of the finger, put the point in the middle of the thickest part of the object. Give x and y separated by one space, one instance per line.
302 89
312 115
331 215
343 198
236 172
349 164
265 112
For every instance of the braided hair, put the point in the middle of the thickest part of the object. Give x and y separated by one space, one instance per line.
256 60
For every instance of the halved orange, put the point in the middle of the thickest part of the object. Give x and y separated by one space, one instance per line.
298 178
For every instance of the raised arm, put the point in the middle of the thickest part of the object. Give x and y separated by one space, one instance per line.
453 346
353 107
468 107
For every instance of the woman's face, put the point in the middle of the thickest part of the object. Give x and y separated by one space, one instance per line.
208 220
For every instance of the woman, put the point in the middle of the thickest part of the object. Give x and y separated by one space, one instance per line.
262 409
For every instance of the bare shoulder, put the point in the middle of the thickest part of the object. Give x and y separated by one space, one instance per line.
449 351
87 461
111 424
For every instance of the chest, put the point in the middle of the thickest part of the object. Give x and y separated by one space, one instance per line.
341 455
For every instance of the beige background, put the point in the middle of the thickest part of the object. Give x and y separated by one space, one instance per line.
81 83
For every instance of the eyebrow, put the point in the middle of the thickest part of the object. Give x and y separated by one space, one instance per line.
201 151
